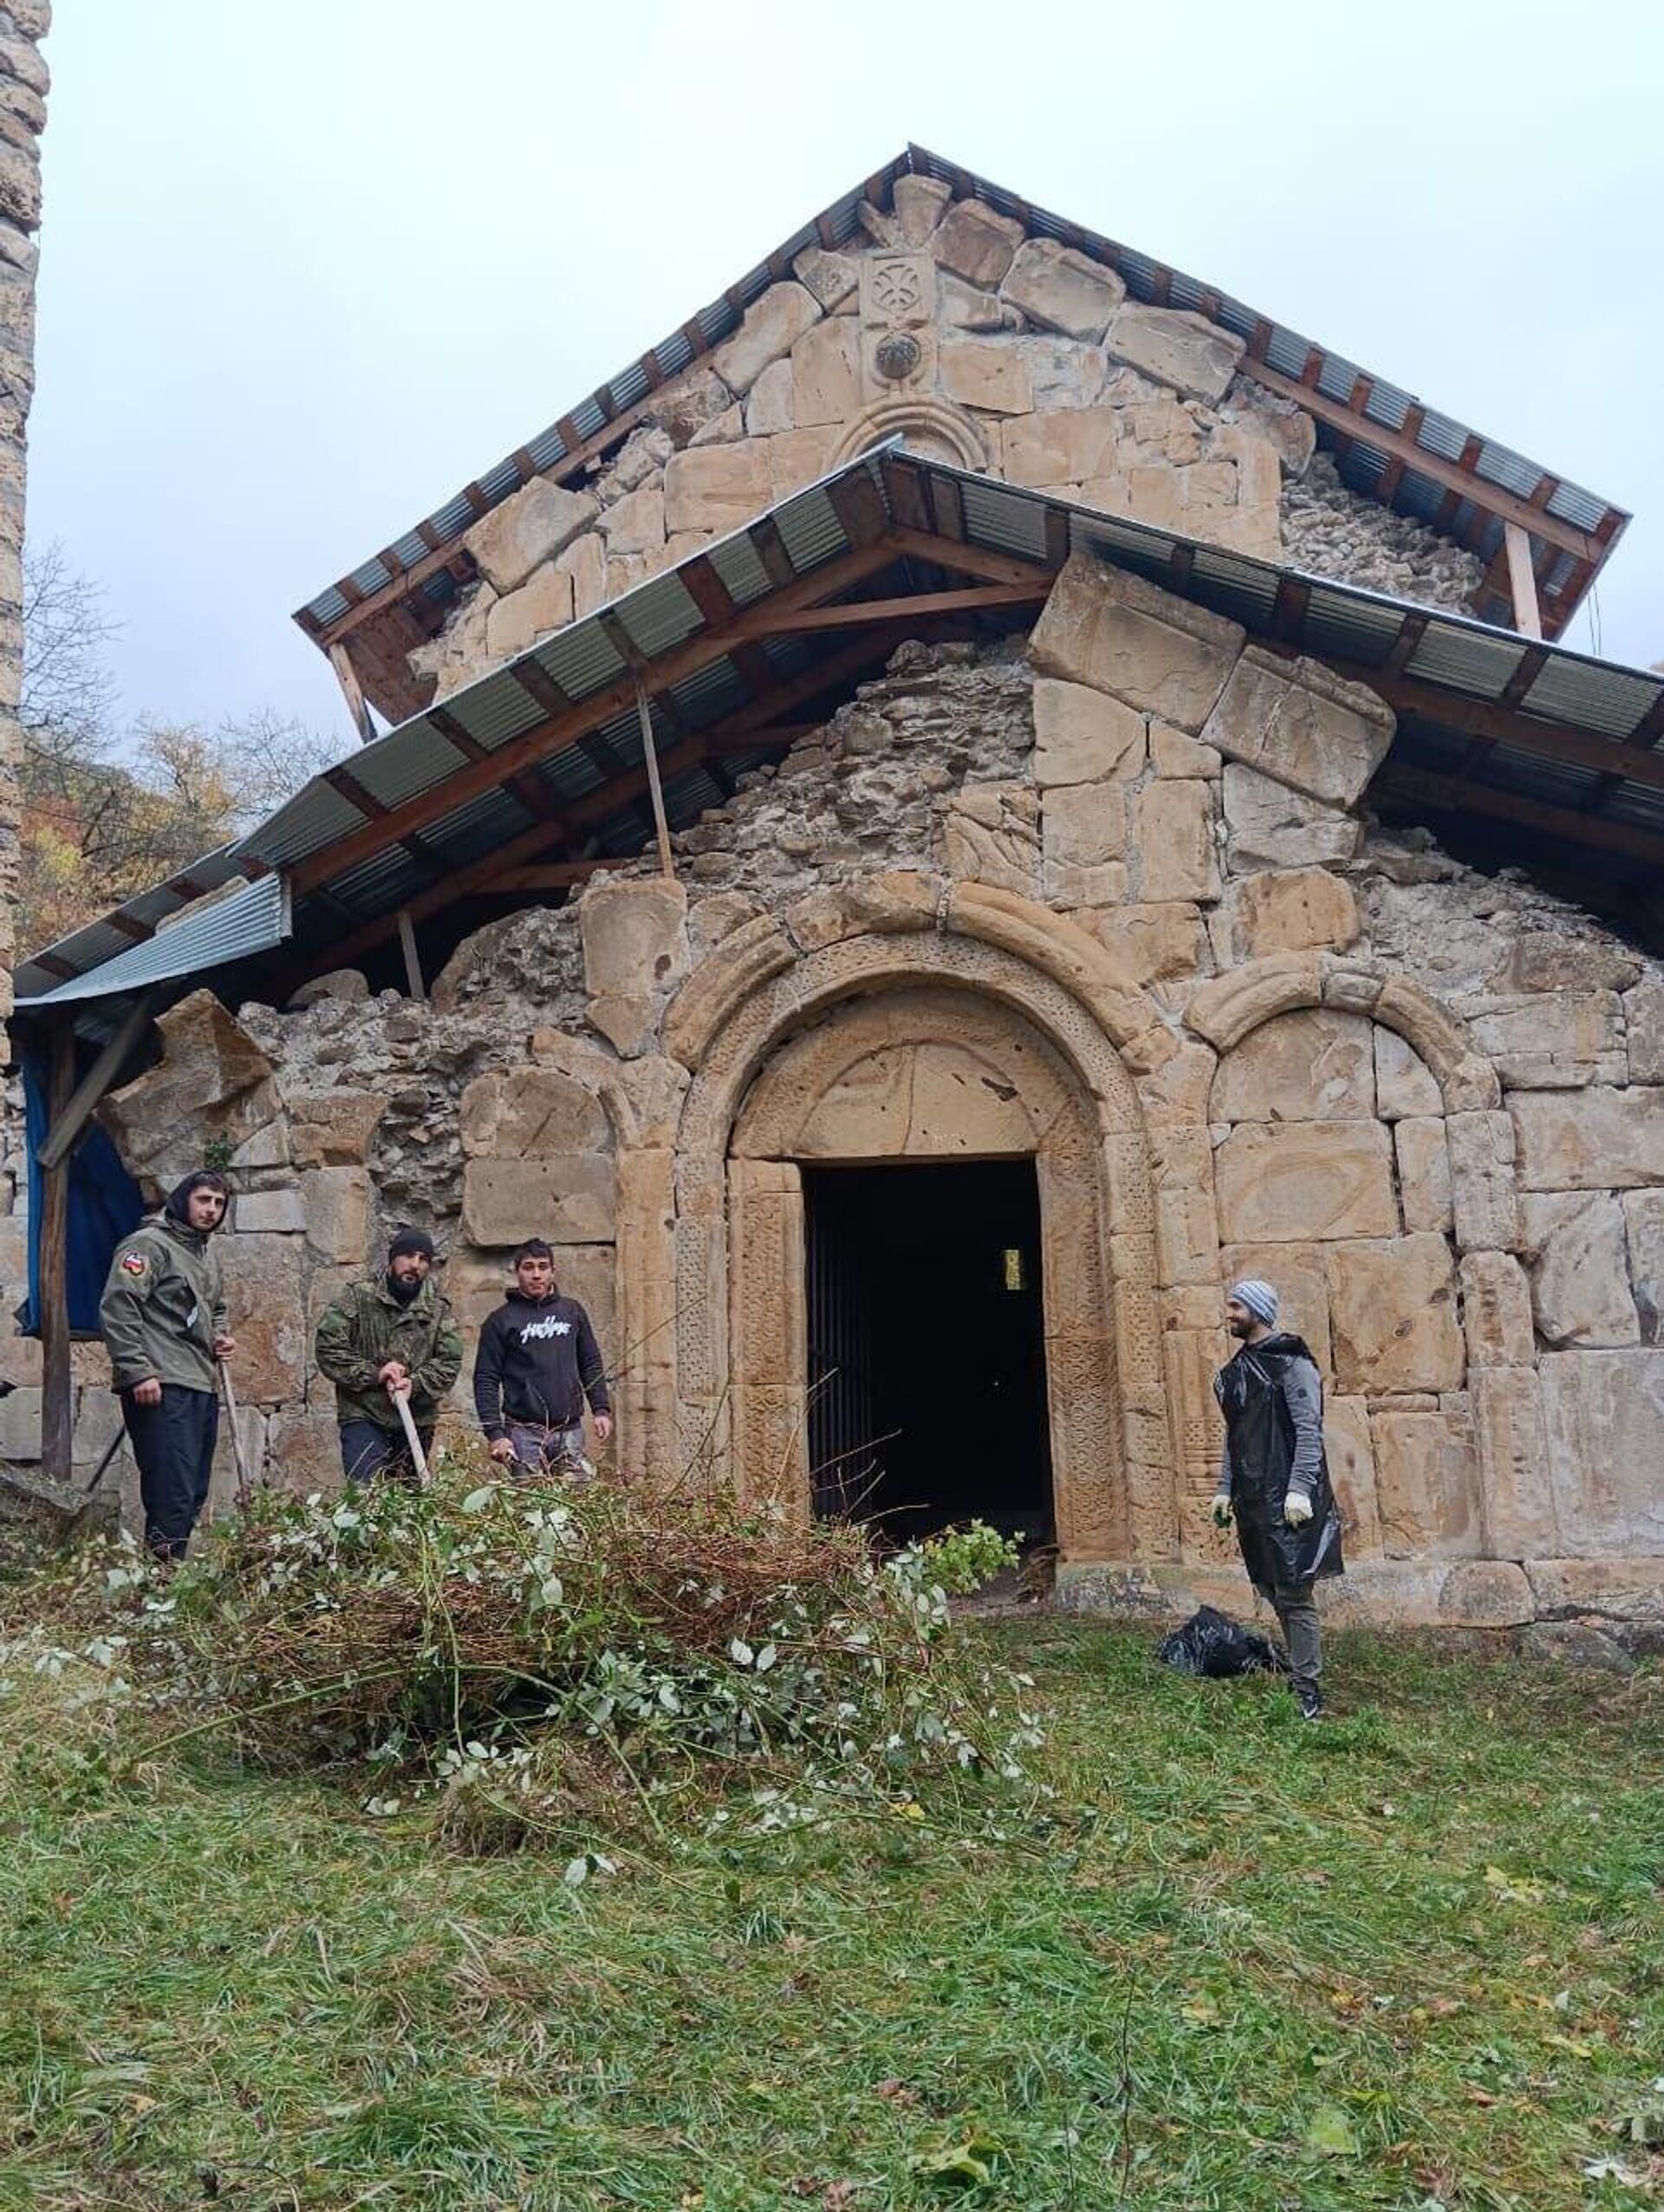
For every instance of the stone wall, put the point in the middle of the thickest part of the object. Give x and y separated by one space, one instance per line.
983 347
1262 1034
23 81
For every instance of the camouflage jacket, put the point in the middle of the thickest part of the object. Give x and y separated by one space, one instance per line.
163 1305
366 1327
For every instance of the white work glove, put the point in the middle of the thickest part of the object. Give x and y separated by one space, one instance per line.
1222 1509
1297 1509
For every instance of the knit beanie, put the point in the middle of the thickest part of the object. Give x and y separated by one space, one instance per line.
411 1243
1260 1298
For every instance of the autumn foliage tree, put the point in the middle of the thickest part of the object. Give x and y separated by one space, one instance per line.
107 810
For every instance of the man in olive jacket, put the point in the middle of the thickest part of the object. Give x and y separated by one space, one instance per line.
392 1336
163 1315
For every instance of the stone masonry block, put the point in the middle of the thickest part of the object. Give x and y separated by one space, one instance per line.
1311 1065
1423 1171
1172 840
1600 1139
1392 1314
527 1113
1295 910
1604 1414
569 1199
1426 1484
975 243
339 1203
1643 1222
1108 628
1060 289
1173 346
634 937
527 529
1495 1310
1270 826
716 488
1482 1181
771 326
1082 736
1291 1183
1296 721
1579 1268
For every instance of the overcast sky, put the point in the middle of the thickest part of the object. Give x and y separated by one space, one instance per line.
306 269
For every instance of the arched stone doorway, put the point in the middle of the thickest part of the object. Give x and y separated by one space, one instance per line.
922 1046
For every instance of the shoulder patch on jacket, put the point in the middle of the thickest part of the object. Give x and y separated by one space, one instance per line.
134 1263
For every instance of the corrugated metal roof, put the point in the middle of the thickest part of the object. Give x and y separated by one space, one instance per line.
1288 352
250 920
1453 655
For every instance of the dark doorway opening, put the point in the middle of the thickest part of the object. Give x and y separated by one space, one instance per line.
926 1346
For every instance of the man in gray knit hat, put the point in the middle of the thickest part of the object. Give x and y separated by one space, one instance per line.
1274 1478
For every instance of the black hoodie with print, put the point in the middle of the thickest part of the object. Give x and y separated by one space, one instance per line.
537 1363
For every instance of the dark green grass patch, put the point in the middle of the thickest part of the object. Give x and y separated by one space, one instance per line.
1413 1957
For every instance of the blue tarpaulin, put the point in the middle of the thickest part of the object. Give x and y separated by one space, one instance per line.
104 1205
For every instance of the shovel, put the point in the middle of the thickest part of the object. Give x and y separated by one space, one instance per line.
244 1485
418 1456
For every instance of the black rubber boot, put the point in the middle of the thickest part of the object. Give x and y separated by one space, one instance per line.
1309 1698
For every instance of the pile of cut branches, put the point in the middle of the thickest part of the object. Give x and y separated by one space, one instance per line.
521 1648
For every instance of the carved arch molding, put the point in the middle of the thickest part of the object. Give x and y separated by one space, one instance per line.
923 1045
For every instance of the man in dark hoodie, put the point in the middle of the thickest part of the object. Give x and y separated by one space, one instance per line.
1274 1477
536 1364
163 1315
391 1337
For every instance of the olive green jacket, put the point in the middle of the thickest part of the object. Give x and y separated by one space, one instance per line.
365 1327
163 1306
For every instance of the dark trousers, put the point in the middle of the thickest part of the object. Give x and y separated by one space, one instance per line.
173 1444
1296 1612
372 1454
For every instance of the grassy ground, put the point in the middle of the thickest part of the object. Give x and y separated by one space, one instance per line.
1412 1958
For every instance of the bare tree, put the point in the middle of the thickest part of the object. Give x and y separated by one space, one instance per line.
106 810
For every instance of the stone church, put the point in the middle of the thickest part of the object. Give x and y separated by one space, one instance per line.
977 791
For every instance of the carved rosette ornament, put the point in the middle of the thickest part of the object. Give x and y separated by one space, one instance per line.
897 356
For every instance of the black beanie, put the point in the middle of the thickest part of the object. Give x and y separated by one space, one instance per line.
414 1242
178 1208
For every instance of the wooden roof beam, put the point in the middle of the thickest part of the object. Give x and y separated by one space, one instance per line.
563 729
1491 497
763 622
751 722
1420 788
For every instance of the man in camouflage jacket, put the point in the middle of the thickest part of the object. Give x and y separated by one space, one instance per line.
392 1335
163 1315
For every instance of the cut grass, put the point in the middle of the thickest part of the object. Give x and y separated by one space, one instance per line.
1413 1956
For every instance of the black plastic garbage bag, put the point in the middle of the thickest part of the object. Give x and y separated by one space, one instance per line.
1212 1643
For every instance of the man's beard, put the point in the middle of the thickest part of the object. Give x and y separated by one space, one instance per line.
404 1287
1241 1329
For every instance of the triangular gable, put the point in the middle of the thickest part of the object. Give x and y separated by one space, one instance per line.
1390 446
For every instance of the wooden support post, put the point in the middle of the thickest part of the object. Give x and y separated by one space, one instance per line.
357 706
413 979
57 1405
649 753
1522 581
66 1128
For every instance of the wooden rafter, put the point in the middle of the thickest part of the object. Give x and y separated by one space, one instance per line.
544 738
1421 788
1456 479
764 621
751 728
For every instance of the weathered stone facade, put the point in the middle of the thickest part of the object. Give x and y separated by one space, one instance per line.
1106 898
1009 354
23 82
